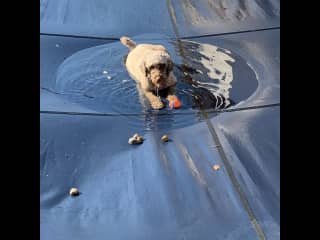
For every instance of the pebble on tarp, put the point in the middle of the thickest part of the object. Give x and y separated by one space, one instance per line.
165 138
74 192
135 139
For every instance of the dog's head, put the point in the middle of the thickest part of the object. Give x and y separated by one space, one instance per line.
158 68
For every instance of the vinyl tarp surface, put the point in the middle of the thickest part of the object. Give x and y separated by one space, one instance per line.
89 107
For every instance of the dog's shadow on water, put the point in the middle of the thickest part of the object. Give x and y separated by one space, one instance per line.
208 77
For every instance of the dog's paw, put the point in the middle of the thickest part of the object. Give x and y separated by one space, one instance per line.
157 104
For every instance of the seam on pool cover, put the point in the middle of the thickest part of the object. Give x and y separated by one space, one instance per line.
221 151
187 37
235 183
157 114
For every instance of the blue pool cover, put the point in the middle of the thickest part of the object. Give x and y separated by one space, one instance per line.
90 107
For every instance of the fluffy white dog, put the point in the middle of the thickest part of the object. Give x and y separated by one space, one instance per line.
151 67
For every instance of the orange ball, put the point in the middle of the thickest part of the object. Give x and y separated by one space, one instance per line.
174 102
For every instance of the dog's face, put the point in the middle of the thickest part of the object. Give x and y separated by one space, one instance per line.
159 73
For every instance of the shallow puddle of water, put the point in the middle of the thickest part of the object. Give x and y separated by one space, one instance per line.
214 78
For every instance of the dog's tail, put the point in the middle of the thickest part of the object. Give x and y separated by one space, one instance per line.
128 42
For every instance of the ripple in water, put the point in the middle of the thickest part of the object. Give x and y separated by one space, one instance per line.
97 79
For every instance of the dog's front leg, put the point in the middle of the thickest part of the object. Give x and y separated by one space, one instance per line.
155 101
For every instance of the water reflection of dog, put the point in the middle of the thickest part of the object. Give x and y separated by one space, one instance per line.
155 121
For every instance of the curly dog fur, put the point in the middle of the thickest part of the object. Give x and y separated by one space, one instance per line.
151 67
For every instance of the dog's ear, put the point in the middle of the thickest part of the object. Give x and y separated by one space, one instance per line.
169 66
144 69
